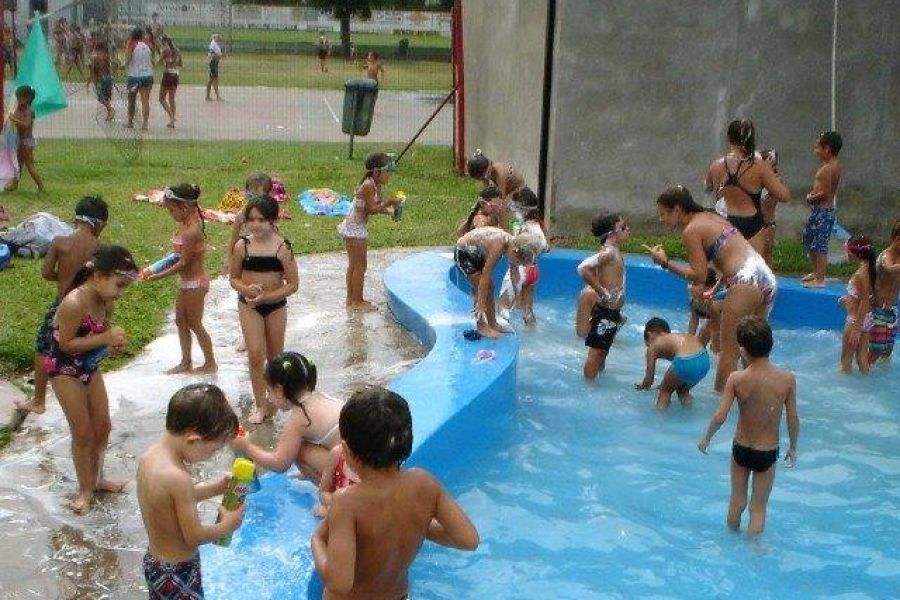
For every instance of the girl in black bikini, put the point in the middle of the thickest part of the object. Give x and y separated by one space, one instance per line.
264 274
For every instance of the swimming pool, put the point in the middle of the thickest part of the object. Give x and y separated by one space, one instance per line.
583 490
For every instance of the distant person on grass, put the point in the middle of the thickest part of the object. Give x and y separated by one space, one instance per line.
323 49
22 118
373 67
214 55
100 74
140 75
170 57
763 392
66 255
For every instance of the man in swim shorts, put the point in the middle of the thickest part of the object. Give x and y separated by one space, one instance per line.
690 362
762 391
884 308
600 303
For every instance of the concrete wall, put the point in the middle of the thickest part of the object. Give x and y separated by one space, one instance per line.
504 74
642 93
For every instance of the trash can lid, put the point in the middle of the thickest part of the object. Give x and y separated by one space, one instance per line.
361 83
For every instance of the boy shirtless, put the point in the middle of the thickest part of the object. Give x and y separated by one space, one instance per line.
374 529
101 76
22 118
373 67
690 362
762 391
887 288
199 423
600 303
66 256
818 227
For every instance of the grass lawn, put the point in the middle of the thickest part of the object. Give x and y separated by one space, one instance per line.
76 168
264 36
302 71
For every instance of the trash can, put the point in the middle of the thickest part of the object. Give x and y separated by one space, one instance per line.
359 106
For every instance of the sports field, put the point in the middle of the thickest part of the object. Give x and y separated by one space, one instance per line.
268 36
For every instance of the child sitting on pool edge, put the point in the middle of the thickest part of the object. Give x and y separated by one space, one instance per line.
374 529
690 362
762 392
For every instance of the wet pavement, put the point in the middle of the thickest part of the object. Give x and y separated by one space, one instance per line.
47 552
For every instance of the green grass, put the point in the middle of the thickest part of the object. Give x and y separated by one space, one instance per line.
269 36
302 71
73 169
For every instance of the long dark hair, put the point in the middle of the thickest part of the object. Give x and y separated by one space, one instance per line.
187 192
679 196
108 260
742 133
295 374
860 247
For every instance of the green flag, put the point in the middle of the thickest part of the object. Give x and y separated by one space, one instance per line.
37 70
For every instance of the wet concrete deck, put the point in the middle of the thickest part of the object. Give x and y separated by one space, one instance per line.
46 552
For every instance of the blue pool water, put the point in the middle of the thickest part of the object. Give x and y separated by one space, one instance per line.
586 491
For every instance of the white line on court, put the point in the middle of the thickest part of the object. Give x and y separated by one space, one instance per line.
331 110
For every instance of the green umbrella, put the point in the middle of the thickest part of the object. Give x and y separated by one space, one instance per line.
37 70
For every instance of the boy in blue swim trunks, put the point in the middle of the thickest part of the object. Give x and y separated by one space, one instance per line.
818 227
762 392
199 423
690 362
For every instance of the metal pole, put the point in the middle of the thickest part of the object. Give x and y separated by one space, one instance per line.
428 122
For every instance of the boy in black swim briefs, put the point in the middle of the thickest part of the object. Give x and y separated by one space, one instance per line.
600 303
762 391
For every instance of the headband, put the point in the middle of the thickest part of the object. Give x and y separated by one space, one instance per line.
92 221
168 194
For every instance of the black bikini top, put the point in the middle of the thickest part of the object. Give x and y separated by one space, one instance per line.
262 263
734 179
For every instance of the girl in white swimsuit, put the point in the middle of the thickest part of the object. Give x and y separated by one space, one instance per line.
311 430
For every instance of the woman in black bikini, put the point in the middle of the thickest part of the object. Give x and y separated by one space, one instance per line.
740 178
264 274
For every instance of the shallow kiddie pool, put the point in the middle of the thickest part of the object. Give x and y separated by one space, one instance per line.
583 490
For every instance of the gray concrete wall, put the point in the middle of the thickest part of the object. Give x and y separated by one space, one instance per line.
504 74
643 91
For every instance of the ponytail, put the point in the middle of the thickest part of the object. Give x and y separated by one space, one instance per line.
860 247
742 133
295 374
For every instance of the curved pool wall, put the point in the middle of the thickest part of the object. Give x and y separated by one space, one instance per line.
450 394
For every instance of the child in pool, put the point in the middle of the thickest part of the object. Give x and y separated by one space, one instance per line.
817 231
706 309
374 529
599 313
886 290
527 220
336 476
199 423
858 304
311 430
477 254
182 203
367 201
22 118
264 274
690 362
484 213
81 335
66 255
762 392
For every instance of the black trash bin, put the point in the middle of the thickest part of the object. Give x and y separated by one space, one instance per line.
359 106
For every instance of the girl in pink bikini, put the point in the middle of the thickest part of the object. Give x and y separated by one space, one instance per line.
858 304
189 243
81 337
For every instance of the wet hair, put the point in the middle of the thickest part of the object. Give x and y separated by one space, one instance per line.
604 224
264 205
679 196
107 261
833 140
860 247
376 425
375 162
525 198
478 165
656 325
490 192
91 209
755 336
742 133
295 374
137 34
895 230
26 91
187 192
712 276
258 182
201 408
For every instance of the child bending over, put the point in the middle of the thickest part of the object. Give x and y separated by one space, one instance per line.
690 362
199 423
599 313
374 529
762 392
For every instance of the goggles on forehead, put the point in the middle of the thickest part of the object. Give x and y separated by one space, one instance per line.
92 221
169 195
